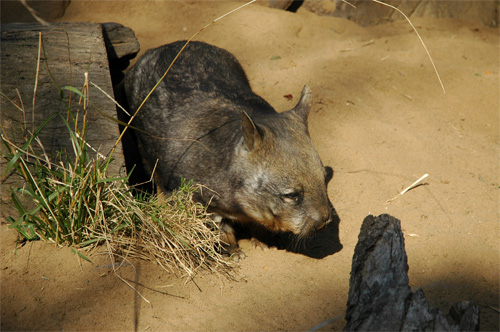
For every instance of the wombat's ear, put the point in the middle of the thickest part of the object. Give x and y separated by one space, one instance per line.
304 105
251 135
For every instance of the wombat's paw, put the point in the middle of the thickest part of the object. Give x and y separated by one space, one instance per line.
258 244
232 251
236 254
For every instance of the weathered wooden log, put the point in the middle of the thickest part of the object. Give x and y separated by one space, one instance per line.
70 50
121 42
121 46
380 297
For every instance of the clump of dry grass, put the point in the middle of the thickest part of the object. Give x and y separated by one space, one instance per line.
174 231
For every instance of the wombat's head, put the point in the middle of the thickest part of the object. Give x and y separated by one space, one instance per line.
283 182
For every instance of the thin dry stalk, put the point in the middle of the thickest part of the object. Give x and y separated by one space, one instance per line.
33 13
414 29
411 186
36 77
419 37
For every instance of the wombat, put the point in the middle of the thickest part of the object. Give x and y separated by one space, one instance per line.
203 122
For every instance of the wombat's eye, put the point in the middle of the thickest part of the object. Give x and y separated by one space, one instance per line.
292 197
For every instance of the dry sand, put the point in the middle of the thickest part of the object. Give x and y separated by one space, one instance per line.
380 119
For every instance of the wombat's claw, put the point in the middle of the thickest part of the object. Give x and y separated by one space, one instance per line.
234 253
258 244
237 255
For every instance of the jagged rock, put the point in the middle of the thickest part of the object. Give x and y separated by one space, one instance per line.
465 314
380 297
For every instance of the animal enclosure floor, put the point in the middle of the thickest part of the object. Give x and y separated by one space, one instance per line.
380 119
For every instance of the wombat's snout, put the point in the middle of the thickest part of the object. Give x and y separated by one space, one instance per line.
316 221
326 218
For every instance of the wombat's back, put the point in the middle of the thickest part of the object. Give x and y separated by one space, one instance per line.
201 72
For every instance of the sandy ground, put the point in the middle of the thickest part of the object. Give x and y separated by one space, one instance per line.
380 119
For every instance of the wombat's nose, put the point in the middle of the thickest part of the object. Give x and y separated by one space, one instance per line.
326 219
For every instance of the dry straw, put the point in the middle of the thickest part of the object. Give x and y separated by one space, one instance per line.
419 37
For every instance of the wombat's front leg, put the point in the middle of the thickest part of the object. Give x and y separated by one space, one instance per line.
228 237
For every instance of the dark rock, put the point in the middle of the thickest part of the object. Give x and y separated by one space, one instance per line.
465 314
380 297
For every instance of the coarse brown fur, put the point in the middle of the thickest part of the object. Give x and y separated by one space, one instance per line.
203 122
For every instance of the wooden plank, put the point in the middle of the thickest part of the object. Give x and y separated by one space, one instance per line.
69 51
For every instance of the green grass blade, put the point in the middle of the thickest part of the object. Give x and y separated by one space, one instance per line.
74 140
25 146
75 90
26 230
81 255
